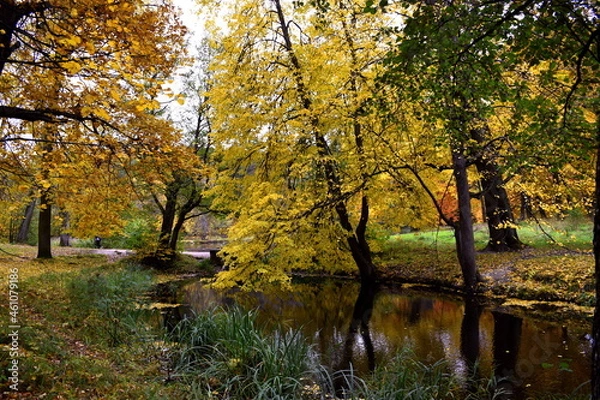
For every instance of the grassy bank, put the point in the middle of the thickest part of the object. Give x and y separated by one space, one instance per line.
85 333
556 265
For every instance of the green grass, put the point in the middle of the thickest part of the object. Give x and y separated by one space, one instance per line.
556 265
574 233
226 355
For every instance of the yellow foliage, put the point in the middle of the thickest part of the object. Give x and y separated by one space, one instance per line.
267 126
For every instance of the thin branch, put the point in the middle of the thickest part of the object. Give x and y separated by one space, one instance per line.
579 78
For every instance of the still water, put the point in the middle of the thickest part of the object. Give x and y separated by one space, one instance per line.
365 327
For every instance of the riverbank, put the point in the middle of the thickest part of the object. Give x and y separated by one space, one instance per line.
552 275
77 339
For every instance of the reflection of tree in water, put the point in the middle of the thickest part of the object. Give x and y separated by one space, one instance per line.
359 325
417 307
469 340
507 337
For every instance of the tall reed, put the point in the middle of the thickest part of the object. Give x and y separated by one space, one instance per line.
224 354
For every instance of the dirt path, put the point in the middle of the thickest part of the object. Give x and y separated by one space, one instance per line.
115 254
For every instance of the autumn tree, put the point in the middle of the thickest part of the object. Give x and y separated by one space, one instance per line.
85 74
560 42
294 139
563 38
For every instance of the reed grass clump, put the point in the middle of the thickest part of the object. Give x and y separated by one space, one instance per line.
224 354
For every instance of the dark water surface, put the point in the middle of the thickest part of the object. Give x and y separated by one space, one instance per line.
367 326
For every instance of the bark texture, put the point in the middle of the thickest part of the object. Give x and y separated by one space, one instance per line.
25 225
498 211
463 228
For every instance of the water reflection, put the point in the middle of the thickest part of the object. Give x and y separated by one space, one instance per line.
470 342
359 327
364 327
507 338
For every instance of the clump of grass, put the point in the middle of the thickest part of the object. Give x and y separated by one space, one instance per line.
108 303
223 354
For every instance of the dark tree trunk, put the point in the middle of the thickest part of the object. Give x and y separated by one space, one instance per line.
45 226
168 217
463 228
25 225
176 231
194 201
596 322
359 247
45 217
65 238
498 212
526 211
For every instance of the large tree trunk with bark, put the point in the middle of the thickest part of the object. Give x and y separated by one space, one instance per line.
357 241
45 218
25 225
498 212
463 229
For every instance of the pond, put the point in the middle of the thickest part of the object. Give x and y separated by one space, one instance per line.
365 327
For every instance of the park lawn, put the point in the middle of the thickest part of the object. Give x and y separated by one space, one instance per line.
64 353
556 266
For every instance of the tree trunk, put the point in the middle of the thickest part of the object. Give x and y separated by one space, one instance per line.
596 322
526 211
25 225
45 218
359 247
168 218
45 226
176 231
463 229
498 212
65 238
499 216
